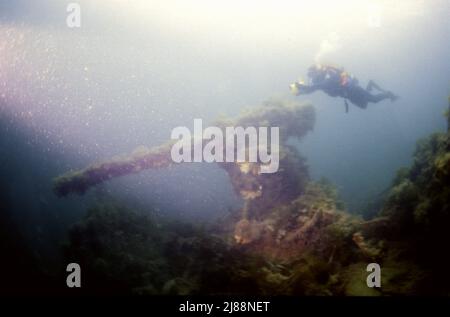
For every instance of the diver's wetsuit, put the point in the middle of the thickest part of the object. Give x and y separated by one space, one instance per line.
331 83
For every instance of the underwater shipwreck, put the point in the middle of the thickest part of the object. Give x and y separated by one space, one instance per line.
292 235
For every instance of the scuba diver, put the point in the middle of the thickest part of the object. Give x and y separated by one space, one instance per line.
336 82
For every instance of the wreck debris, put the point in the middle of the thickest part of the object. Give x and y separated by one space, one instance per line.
294 120
291 237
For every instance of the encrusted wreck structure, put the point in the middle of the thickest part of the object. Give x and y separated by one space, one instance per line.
291 236
262 193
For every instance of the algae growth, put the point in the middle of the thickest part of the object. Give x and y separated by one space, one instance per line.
292 235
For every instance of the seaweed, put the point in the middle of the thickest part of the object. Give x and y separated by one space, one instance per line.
291 237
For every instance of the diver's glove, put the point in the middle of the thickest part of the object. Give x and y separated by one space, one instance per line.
297 88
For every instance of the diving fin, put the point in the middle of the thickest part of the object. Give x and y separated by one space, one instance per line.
392 96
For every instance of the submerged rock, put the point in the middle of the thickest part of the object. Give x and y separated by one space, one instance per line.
418 206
